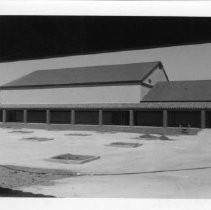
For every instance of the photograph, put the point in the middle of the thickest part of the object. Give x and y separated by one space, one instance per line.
105 106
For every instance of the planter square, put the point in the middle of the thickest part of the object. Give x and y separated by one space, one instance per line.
73 159
125 144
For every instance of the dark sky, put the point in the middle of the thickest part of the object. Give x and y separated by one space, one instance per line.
31 37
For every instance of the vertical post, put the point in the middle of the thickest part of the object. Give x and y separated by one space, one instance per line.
72 116
48 116
25 115
165 118
100 117
131 117
4 115
203 119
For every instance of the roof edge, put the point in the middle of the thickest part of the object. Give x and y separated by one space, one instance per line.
172 101
137 82
160 65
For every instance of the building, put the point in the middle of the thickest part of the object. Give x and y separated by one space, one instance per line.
137 94
87 85
185 103
75 95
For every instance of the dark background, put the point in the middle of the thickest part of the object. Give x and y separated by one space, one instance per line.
31 37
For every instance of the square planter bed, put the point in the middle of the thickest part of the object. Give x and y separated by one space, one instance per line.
38 139
125 144
73 159
149 137
77 134
20 131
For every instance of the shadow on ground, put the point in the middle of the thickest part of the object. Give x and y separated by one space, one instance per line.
6 192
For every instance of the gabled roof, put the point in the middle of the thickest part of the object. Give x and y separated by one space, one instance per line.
178 91
135 72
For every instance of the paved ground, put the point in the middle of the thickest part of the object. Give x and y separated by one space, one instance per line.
180 168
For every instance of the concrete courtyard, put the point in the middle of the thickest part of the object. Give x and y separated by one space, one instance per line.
180 168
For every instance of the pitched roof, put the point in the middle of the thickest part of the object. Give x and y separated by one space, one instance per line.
86 75
196 90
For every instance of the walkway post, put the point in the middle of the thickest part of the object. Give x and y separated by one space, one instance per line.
100 117
165 118
203 119
48 116
4 115
72 116
25 116
131 118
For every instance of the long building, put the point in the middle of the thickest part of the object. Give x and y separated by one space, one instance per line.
88 85
135 94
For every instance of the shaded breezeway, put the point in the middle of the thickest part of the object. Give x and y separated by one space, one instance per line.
114 117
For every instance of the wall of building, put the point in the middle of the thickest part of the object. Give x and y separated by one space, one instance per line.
144 91
73 95
157 75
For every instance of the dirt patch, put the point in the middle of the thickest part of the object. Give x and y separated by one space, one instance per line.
16 176
125 144
149 137
165 138
77 134
14 128
37 139
109 132
20 131
72 158
162 137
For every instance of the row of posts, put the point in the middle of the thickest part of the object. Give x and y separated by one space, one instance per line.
131 117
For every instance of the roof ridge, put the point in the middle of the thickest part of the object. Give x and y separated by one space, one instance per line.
95 66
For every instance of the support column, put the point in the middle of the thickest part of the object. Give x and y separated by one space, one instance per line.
48 116
100 117
4 115
131 118
203 119
25 116
73 117
70 114
165 118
